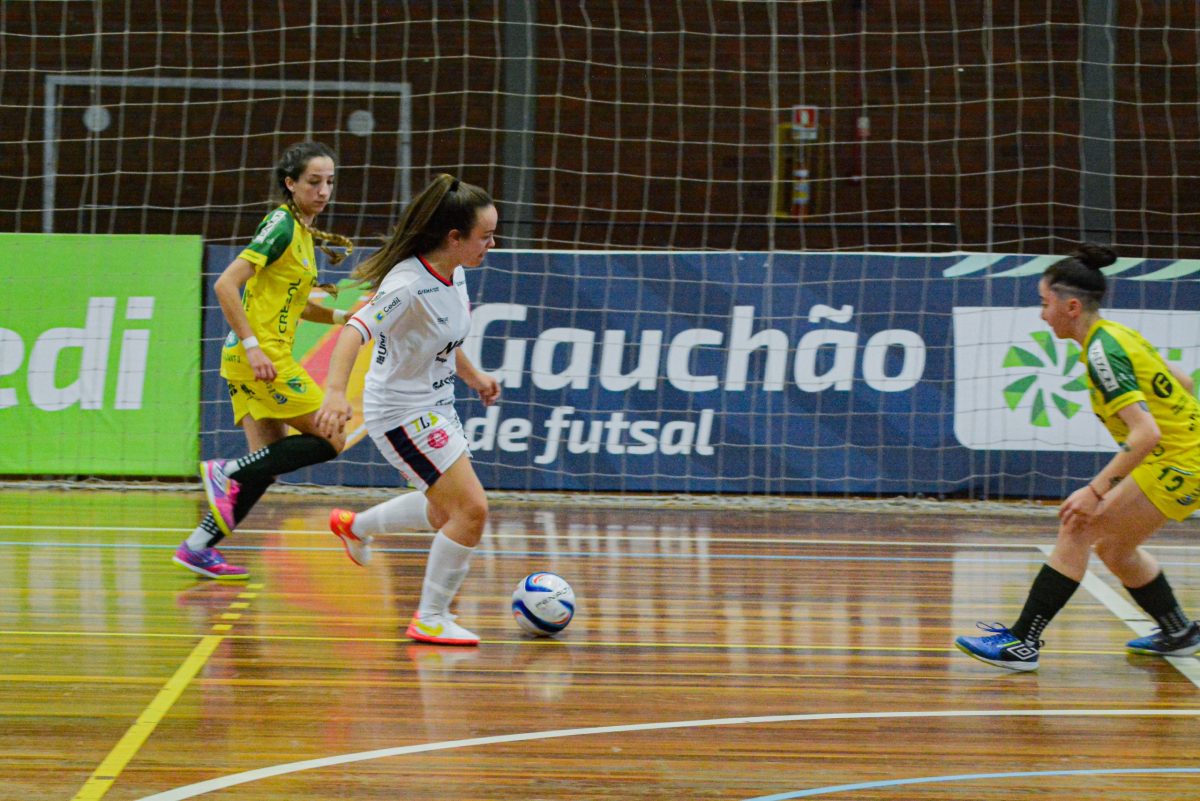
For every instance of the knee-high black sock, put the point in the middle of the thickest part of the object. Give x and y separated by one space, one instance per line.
1049 594
249 494
1158 599
288 454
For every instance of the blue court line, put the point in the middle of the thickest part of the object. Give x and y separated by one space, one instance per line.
966 777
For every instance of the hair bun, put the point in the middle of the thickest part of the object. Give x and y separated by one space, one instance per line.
1094 256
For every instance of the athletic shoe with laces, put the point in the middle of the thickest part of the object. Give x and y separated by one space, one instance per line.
222 492
358 548
210 563
439 629
1000 648
1159 643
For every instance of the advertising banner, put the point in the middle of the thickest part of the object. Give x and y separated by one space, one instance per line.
788 373
99 355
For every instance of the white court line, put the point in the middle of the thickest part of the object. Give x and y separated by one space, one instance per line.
224 782
1133 617
608 536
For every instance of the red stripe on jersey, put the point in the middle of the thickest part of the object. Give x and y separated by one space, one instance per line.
434 272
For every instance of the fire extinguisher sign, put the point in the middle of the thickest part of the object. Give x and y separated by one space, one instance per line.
804 122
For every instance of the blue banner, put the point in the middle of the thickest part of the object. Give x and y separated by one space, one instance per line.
782 373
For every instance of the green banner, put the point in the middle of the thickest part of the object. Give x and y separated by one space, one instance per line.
100 355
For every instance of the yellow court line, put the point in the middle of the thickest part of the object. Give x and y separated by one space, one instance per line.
102 778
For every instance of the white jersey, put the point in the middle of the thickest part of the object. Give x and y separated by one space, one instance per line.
417 319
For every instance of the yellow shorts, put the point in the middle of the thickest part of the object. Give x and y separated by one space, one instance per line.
293 393
1173 487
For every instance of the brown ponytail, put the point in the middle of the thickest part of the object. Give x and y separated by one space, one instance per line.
446 205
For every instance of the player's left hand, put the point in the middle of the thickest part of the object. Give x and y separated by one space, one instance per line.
487 387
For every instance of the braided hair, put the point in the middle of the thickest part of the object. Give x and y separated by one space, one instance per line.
292 164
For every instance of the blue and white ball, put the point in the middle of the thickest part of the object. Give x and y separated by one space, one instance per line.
543 603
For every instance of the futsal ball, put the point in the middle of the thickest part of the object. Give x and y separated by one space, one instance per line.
543 603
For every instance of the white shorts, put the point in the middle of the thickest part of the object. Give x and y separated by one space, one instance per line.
421 444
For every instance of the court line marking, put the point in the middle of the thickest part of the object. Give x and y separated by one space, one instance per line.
103 777
890 543
887 649
245 777
1133 617
847 788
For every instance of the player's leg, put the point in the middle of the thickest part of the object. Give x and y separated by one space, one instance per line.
458 501
407 512
227 502
1018 647
1128 520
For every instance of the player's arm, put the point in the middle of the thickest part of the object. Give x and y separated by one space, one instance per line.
1144 435
228 289
487 387
335 411
1183 378
316 313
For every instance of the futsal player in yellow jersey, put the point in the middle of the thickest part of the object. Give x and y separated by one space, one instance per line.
264 293
1151 411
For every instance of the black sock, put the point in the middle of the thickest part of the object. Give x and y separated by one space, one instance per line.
1158 599
1050 592
249 494
288 454
209 524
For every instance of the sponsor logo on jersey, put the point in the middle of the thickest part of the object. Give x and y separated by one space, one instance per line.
1104 371
276 217
386 310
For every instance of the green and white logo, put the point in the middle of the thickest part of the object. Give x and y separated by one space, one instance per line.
1047 355
1017 387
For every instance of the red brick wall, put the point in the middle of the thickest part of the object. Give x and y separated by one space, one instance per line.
655 122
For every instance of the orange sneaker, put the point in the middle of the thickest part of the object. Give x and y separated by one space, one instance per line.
357 548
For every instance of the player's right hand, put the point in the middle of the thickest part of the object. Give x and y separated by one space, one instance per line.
334 413
263 367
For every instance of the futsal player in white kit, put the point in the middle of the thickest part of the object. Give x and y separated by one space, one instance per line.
418 319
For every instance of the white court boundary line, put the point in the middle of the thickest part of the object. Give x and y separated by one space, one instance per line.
1133 617
225 782
566 535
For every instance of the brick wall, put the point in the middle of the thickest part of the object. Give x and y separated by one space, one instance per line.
655 123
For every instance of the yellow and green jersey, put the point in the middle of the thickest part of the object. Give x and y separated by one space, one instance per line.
275 296
1123 369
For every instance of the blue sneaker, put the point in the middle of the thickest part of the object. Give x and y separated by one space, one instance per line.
1159 643
1000 648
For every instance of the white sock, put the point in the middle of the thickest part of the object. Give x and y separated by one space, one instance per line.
198 540
407 512
445 570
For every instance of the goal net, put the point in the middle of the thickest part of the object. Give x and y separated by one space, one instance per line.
746 247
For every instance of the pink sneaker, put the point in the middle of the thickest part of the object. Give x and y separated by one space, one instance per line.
209 563
357 548
222 492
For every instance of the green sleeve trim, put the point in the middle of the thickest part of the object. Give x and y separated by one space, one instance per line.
272 238
1110 367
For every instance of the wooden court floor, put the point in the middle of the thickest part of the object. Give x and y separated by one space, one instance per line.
734 655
